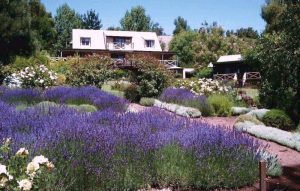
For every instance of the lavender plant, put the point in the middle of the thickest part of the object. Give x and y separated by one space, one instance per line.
85 95
19 96
187 98
109 150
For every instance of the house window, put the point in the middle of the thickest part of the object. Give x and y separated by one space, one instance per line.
85 41
119 40
149 43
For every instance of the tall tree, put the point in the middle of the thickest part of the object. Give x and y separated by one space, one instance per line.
277 57
182 44
198 48
42 26
136 20
247 33
271 12
113 28
15 32
66 19
90 20
157 29
180 25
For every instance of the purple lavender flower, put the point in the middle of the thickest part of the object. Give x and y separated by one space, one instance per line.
101 150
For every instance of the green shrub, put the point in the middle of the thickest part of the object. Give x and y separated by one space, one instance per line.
243 118
120 85
119 74
221 104
87 108
203 105
204 73
21 107
298 128
132 93
151 83
151 76
279 119
90 71
108 88
145 101
78 101
40 58
84 107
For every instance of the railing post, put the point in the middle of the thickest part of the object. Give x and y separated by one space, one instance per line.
262 175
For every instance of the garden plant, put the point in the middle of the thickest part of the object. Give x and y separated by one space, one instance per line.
110 149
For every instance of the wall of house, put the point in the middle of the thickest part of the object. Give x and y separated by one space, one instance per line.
97 39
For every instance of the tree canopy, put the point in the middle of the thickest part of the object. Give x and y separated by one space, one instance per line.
15 30
277 58
42 26
66 19
180 25
90 20
137 20
197 49
271 12
247 33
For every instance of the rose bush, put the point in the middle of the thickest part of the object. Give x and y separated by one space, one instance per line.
16 175
202 86
35 76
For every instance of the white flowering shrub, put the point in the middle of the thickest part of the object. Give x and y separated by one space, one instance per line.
202 86
17 175
36 76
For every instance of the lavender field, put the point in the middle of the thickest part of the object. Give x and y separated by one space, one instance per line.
111 149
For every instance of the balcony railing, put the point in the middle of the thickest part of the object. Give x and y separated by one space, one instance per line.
122 62
169 63
119 46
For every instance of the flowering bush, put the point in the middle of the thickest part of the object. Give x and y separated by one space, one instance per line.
16 175
85 95
21 96
108 150
202 86
35 76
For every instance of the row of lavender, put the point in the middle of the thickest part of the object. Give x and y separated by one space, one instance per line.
63 95
113 150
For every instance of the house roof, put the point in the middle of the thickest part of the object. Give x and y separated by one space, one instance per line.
230 58
145 35
166 40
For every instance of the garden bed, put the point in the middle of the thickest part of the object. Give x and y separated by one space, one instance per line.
150 148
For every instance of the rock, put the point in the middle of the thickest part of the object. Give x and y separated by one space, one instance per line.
240 110
258 113
178 109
